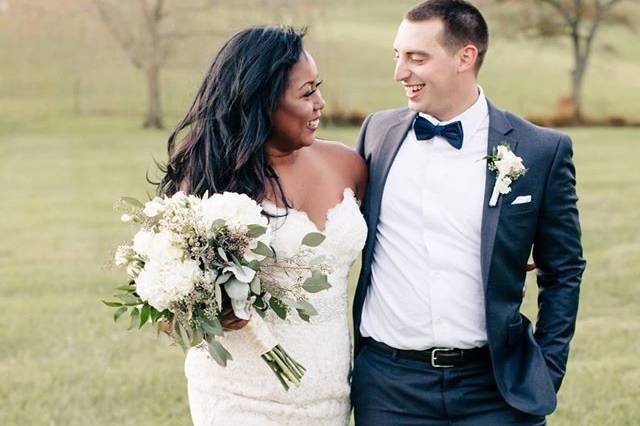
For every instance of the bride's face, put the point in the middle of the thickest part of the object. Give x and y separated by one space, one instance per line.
297 117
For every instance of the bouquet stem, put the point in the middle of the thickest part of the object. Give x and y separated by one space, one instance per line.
287 370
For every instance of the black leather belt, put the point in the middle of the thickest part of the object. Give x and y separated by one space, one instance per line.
437 357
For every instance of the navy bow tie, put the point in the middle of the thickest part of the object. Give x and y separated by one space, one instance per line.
452 132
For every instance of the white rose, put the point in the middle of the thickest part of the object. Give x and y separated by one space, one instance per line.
238 210
159 284
502 151
142 241
163 247
154 207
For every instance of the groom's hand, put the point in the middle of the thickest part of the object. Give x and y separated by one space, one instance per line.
230 321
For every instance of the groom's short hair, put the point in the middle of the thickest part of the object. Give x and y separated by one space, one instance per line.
463 24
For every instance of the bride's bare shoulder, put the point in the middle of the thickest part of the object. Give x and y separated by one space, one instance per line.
336 151
345 160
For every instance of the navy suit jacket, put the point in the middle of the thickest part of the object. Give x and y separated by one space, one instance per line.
528 367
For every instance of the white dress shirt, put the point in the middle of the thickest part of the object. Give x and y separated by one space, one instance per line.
426 286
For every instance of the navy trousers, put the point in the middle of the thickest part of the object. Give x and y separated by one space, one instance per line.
387 390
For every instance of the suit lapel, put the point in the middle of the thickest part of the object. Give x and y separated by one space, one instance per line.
383 156
499 131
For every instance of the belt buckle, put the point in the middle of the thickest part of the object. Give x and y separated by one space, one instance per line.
433 358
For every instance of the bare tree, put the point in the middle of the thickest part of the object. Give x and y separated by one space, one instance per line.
146 33
577 20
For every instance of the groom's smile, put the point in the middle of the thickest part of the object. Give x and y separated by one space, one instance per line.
413 90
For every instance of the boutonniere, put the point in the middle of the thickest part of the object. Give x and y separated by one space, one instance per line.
508 168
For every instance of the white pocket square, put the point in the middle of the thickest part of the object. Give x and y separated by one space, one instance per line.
522 199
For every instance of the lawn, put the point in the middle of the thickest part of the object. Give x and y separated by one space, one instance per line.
64 362
71 144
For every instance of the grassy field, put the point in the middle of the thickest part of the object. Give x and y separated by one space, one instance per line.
70 145
63 362
49 67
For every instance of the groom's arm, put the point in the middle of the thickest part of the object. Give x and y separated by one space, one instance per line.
360 146
557 252
361 150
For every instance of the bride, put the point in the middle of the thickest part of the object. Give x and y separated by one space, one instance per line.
251 129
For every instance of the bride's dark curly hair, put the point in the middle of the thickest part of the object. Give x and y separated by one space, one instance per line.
230 118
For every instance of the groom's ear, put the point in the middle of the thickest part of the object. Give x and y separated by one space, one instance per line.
467 58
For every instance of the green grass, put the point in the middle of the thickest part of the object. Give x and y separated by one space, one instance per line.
64 362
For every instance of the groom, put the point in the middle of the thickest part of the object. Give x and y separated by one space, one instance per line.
439 335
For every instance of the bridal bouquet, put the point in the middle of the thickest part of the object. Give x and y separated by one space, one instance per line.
194 258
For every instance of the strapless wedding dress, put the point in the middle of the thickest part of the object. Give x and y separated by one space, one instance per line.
246 392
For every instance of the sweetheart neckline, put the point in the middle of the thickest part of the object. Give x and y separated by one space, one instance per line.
326 215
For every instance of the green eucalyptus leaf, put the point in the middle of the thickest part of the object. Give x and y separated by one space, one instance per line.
178 335
263 250
196 336
236 261
217 223
256 230
128 298
316 282
133 202
112 304
223 278
279 307
306 307
121 310
222 254
254 264
255 285
211 326
313 239
218 352
303 316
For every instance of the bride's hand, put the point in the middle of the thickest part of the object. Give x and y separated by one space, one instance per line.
230 321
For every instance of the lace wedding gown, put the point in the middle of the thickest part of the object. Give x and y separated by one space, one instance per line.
246 392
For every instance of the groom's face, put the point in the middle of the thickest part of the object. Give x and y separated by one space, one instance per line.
426 70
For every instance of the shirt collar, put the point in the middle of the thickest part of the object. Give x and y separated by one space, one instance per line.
471 118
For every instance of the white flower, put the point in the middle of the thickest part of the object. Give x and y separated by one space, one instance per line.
508 168
163 247
126 218
142 241
154 207
161 283
237 210
159 246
